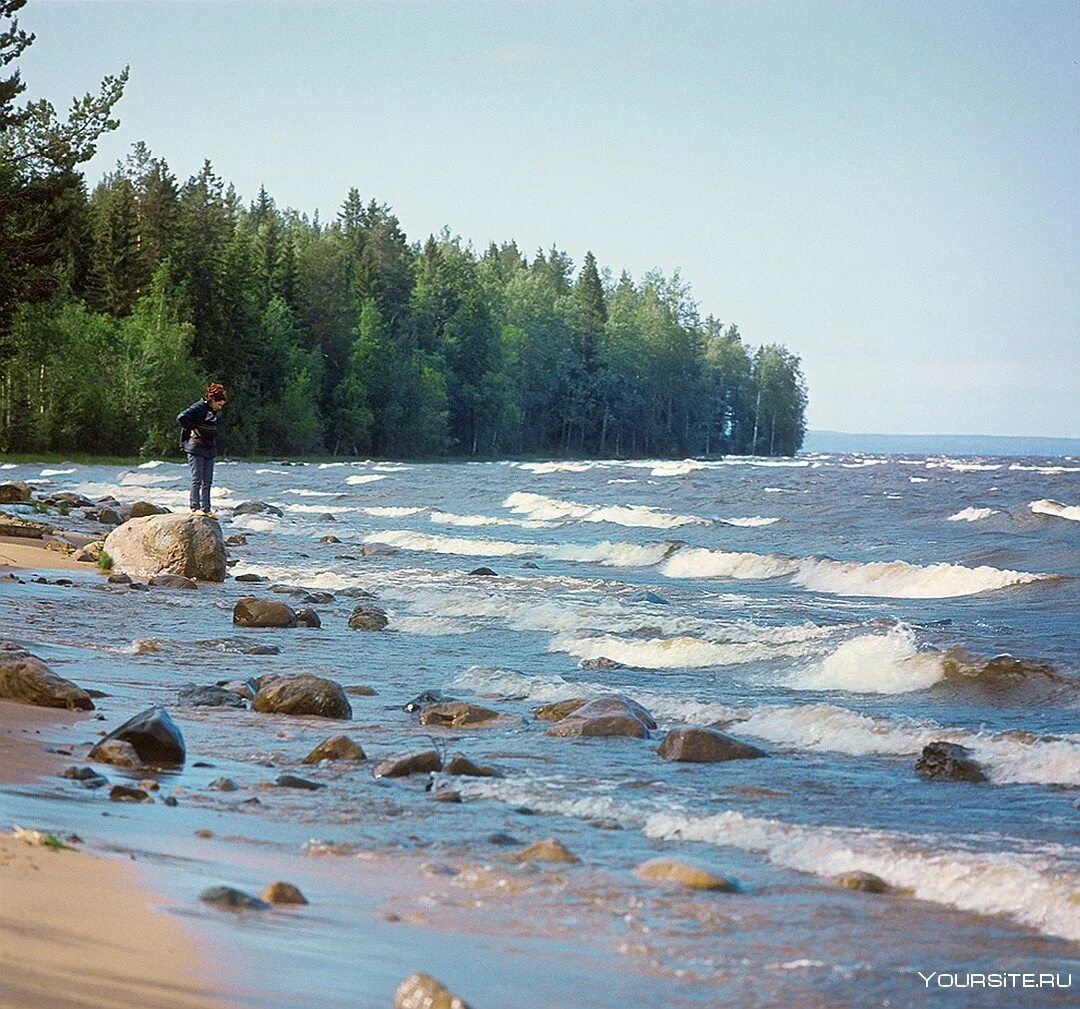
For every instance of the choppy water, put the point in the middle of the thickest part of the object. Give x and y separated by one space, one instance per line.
839 611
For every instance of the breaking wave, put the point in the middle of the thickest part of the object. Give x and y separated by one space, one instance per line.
973 514
752 522
1056 509
366 478
537 506
874 663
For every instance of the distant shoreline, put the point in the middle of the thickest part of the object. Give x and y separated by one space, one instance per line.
950 444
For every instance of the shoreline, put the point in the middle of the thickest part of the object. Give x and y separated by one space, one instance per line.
59 905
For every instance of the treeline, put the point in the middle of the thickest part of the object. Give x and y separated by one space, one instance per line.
119 303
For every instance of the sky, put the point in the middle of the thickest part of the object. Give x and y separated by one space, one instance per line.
892 189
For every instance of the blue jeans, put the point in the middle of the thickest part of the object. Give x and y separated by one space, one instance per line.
202 476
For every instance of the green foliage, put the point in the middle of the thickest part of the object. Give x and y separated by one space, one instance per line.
117 307
104 562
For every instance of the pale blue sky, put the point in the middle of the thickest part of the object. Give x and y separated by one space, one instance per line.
892 189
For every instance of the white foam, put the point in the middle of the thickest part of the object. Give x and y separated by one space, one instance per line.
1046 470
684 652
752 522
9 465
1056 509
366 478
918 479
537 506
431 626
973 514
332 465
888 579
554 467
56 472
320 509
273 472
307 492
152 464
874 663
389 512
256 523
451 519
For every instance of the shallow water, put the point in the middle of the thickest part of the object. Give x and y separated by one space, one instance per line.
839 611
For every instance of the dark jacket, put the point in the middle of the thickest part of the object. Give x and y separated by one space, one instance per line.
198 430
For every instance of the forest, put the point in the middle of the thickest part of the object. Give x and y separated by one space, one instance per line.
120 300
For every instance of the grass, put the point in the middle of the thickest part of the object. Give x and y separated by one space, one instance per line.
104 562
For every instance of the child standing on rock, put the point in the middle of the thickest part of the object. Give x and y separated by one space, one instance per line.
198 439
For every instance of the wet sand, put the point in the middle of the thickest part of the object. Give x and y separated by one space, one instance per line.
81 930
31 555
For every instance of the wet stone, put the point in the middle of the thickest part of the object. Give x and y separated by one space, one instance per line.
548 850
693 744
192 696
125 793
335 748
866 882
684 874
282 893
421 991
294 781
232 899
401 765
941 761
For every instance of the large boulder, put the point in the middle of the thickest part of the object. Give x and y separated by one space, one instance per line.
153 735
140 509
302 695
694 744
457 714
606 716
25 679
14 493
558 710
186 545
250 611
940 761
368 617
422 991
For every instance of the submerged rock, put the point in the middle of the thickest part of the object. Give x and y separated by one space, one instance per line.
232 899
238 646
647 596
172 582
606 716
462 765
423 699
282 893
295 781
257 508
25 679
335 748
666 870
867 882
15 492
302 695
140 509
154 736
446 795
483 572
695 744
401 765
169 544
359 690
250 611
601 662
307 617
557 710
421 991
941 761
125 793
548 850
192 696
249 576
116 752
368 617
457 714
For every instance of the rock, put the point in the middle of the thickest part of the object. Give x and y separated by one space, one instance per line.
232 899
502 839
238 646
329 539
125 793
401 765
15 492
257 508
530 566
25 679
940 761
693 877
446 795
87 775
250 577
484 572
104 514
558 710
457 714
192 696
169 544
245 689
294 781
867 882
154 736
462 765
235 540
222 785
12 525
422 700
366 617
119 578
252 612
282 893
646 596
421 991
307 617
548 850
377 550
606 716
140 509
694 744
601 662
335 748
172 582
302 695
355 592
359 690
71 499
116 752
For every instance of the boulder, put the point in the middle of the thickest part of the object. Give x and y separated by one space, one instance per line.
25 679
238 646
329 539
557 710
257 508
866 882
302 695
140 509
250 577
483 572
693 877
282 893
15 492
548 850
463 766
295 781
12 525
359 690
335 748
126 793
601 662
232 899
222 785
606 716
401 765
307 617
457 714
104 514
169 544
446 795
192 696
116 752
235 540
693 744
355 592
119 578
378 550
172 582
422 700
940 761
154 736
367 617
647 596
250 611
421 991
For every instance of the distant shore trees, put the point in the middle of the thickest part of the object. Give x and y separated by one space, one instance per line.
117 304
